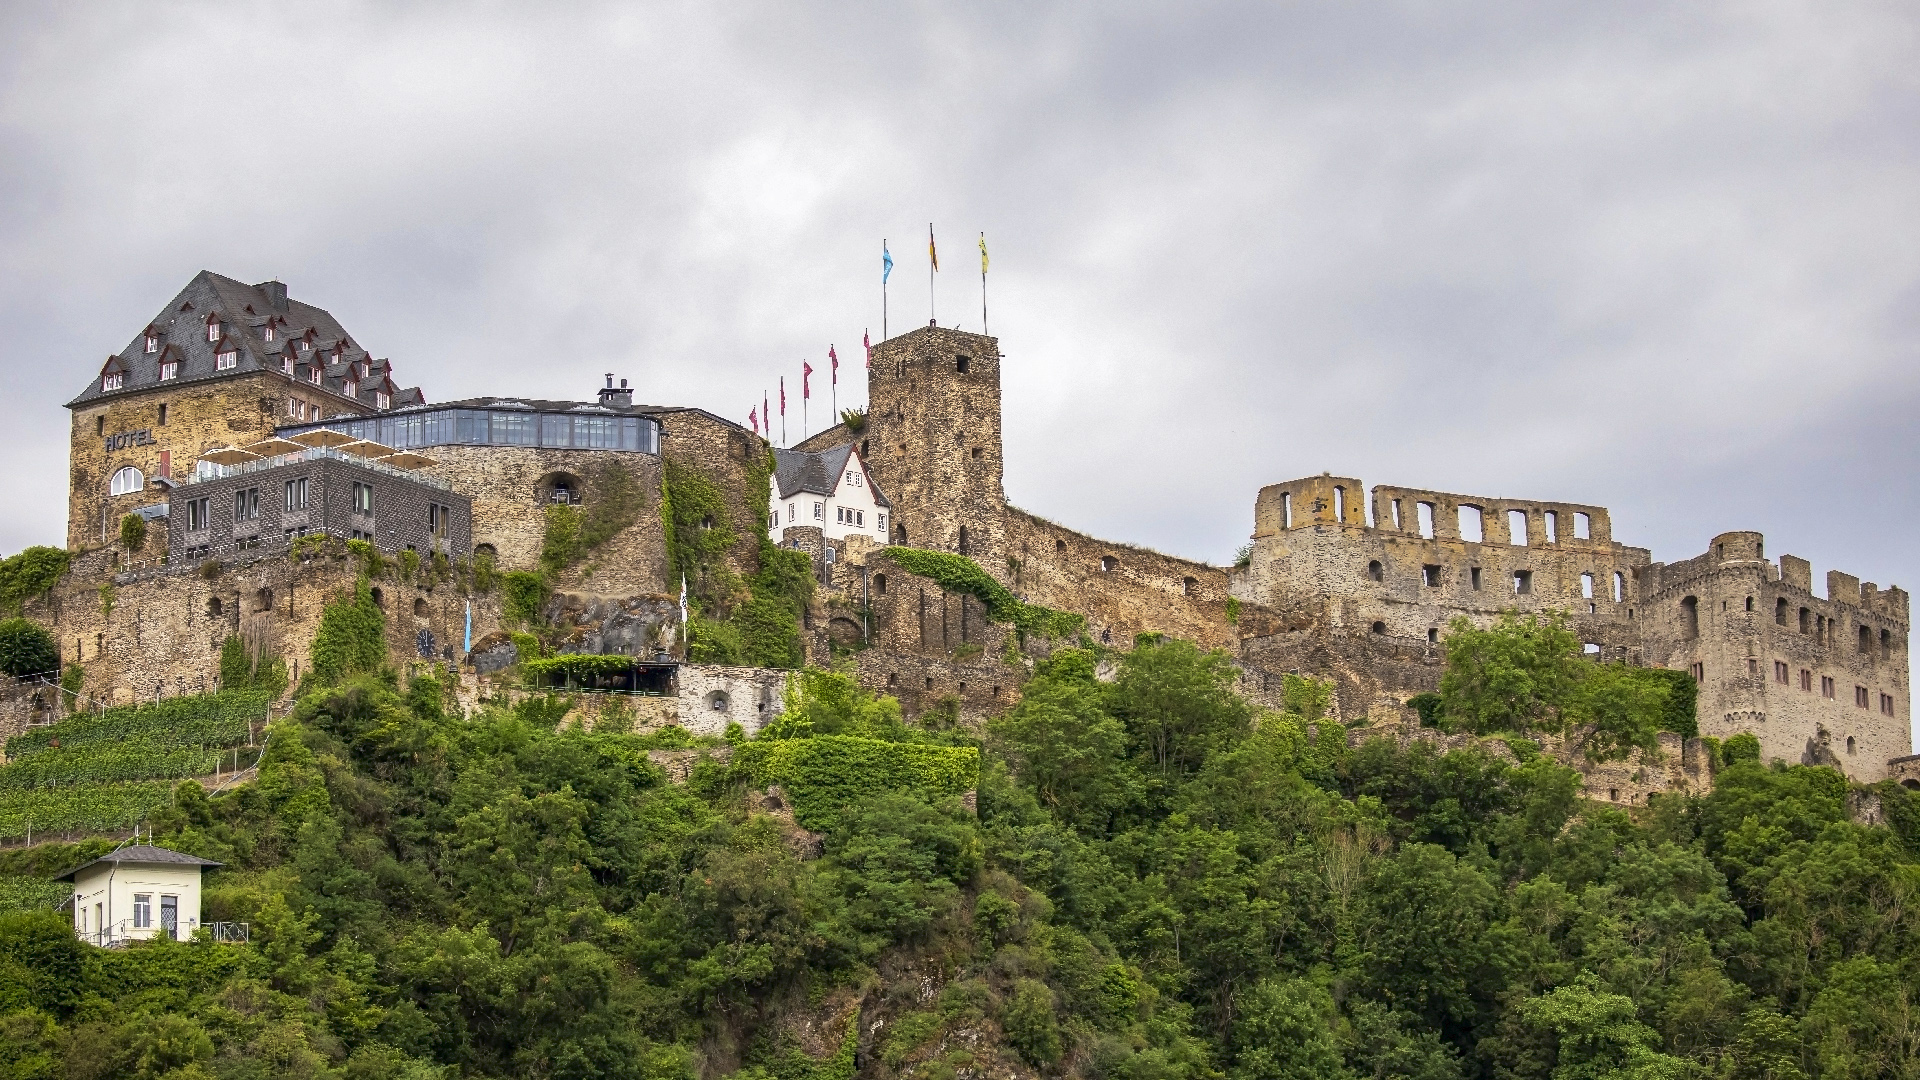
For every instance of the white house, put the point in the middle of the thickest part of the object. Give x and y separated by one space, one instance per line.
831 491
136 893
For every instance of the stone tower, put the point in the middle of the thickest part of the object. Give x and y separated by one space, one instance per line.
933 442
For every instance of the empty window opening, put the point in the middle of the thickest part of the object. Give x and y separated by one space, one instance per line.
1059 545
1698 671
976 453
1108 564
963 540
1433 635
378 599
899 534
1780 611
1690 617
1339 503
1375 572
214 607
1586 586
1619 587
1430 574
879 584
1473 577
1866 640
1806 621
1827 687
1860 696
263 600
1380 628
893 679
1424 512
1517 527
1286 510
1782 674
163 415
961 363
1551 520
419 608
1806 680
1753 666
1849 744
1613 794
717 701
1472 528
1523 582
1395 511
1749 603
1886 645
1886 704
1189 586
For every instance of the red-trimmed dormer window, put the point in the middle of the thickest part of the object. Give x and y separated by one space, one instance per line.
225 359
112 382
169 369
153 342
305 345
382 401
286 365
351 389
313 375
267 331
213 329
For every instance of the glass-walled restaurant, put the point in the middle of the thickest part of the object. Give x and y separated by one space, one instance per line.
583 428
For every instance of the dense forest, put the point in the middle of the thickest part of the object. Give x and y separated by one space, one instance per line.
1151 880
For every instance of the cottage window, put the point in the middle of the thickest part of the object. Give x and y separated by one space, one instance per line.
881 524
170 916
286 365
126 481
142 910
305 345
789 513
860 518
819 511
350 388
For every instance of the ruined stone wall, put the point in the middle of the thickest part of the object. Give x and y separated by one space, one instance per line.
1762 643
512 486
1123 590
931 647
712 696
933 443
732 457
1312 548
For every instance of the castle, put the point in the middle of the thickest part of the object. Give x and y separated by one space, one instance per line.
240 422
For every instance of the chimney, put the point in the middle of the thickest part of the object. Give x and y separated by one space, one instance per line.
276 294
616 399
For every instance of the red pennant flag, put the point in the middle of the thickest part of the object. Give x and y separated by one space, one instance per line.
783 395
766 411
836 365
866 342
753 417
806 388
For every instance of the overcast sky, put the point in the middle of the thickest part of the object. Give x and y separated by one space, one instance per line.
1662 258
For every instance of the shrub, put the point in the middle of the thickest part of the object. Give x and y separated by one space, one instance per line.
560 545
133 532
26 648
711 642
521 595
826 774
1030 1025
31 573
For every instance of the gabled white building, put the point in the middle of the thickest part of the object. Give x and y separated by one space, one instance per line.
136 893
830 490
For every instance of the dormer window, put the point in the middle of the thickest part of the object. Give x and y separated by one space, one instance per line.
169 369
286 365
305 345
382 401
351 388
313 375
267 332
153 342
111 382
225 359
213 329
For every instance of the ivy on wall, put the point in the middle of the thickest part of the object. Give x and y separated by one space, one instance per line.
30 573
960 574
352 636
825 774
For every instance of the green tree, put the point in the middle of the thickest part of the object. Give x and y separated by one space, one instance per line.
1510 676
26 648
1178 702
1064 745
1285 1033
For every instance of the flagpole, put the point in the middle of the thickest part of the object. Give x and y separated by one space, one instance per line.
806 392
983 285
933 263
883 292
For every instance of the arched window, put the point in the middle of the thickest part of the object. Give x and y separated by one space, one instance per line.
1375 572
485 551
1749 603
1189 586
880 584
1866 640
1780 611
899 534
717 701
1108 564
419 609
126 481
1690 617
263 600
1619 587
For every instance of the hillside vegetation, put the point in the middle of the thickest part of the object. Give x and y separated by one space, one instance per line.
1159 884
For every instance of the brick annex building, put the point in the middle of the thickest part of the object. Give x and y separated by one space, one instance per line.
1344 583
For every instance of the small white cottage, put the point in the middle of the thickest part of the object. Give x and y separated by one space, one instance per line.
830 490
136 893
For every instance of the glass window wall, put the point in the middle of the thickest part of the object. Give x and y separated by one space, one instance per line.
489 427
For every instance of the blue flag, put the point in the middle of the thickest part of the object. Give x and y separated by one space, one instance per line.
886 264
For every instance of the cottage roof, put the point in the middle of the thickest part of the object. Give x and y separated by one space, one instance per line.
795 471
142 854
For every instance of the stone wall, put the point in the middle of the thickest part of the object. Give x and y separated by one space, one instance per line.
1763 644
399 519
712 696
1123 590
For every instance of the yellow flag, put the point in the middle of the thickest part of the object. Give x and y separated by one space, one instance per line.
983 253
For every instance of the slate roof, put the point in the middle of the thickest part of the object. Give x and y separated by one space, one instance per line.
243 311
145 855
819 473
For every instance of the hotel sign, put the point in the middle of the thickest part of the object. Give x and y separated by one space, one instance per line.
129 438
